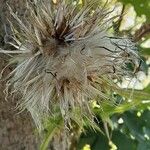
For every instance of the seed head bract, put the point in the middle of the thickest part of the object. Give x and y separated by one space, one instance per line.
64 58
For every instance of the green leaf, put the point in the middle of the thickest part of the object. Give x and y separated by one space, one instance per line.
143 146
145 51
134 124
138 98
147 89
135 128
96 140
122 141
53 125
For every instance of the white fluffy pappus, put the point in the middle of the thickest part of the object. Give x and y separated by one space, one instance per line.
64 58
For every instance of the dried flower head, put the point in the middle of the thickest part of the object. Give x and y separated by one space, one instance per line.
65 58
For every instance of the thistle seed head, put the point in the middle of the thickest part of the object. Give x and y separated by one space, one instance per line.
65 58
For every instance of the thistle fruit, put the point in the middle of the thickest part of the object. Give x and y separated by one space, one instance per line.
64 59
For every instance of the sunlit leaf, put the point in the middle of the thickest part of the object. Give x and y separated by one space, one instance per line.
142 7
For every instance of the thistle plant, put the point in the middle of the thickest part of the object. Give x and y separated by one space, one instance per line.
65 59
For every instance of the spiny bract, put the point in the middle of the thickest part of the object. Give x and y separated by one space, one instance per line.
65 58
